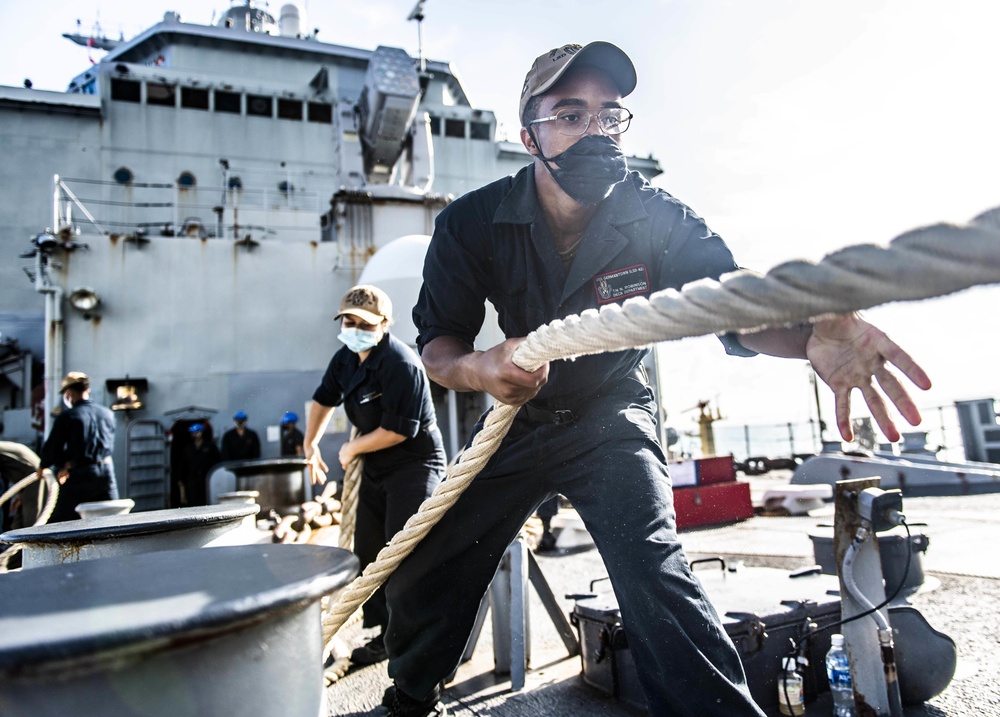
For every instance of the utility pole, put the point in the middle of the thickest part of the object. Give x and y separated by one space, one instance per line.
819 412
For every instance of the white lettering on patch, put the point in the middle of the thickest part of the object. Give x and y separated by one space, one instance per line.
621 283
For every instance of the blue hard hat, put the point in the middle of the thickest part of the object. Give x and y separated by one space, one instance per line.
195 428
289 417
240 416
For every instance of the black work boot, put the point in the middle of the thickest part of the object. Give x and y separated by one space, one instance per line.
548 541
405 706
370 653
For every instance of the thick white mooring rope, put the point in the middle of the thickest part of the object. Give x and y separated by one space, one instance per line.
923 263
349 500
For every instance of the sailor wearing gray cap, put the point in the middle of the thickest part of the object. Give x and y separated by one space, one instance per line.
386 395
573 232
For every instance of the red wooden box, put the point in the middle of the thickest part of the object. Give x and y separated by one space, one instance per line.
717 469
712 504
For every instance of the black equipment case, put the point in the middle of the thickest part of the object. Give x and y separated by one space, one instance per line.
763 610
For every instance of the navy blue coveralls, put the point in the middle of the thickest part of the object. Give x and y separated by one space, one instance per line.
388 390
240 448
82 438
589 434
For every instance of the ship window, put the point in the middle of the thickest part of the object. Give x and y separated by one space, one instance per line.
259 105
986 414
235 183
435 125
186 179
123 175
320 112
194 98
289 109
479 130
227 102
125 90
454 128
161 94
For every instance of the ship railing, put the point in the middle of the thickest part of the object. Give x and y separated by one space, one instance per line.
749 441
178 209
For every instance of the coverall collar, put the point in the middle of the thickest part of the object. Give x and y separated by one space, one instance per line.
602 240
520 205
369 366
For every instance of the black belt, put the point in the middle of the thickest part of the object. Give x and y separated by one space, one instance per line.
558 417
566 416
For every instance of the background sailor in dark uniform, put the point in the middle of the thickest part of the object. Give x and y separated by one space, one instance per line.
240 443
387 396
198 459
291 436
78 449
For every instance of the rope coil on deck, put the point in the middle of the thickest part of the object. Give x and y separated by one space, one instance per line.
52 486
927 262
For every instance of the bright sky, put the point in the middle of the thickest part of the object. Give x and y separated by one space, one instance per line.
795 128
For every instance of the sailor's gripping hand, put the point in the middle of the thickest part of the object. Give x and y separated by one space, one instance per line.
500 377
847 353
457 365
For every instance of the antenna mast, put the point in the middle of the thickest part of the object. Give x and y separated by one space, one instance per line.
417 13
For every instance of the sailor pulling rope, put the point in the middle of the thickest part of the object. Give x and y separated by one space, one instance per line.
924 263
561 250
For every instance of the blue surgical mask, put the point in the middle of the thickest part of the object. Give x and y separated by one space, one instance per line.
357 340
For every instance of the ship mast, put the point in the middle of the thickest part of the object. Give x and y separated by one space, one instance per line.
417 13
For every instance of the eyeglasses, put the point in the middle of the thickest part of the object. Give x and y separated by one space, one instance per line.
575 122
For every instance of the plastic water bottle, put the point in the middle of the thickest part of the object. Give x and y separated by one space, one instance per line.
838 671
790 698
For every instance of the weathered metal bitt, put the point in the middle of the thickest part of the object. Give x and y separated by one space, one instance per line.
227 631
282 483
97 508
113 535
242 497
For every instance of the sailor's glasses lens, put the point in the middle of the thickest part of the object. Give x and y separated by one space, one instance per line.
575 122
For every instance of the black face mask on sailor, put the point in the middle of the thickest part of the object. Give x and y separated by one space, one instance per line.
589 169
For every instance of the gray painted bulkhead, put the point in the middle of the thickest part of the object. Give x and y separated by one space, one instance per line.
206 320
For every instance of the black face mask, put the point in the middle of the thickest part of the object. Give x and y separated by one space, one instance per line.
589 169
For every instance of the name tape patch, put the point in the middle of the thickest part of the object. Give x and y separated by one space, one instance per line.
621 283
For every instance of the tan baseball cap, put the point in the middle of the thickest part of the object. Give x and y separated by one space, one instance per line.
74 379
369 303
548 68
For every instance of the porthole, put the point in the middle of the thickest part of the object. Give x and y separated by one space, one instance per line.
186 179
123 175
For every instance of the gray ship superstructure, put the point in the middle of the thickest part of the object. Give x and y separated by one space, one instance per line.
200 199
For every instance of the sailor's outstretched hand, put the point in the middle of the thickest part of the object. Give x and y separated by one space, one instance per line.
847 353
317 466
